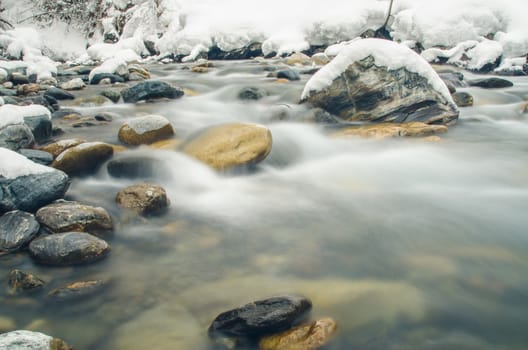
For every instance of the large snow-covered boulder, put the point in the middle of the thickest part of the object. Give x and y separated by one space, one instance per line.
26 185
381 81
19 125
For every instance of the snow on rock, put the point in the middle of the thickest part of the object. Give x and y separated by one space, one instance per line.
14 165
385 53
487 52
148 123
112 65
13 114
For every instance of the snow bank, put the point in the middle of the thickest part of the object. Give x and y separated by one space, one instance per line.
385 53
12 114
14 165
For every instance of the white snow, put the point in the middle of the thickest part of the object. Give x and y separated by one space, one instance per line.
12 114
14 164
385 53
112 65
487 51
147 123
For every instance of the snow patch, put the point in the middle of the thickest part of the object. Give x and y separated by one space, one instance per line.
386 54
14 165
487 51
13 114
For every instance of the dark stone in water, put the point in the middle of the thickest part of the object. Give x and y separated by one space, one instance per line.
246 52
491 83
150 89
114 78
463 99
7 92
40 157
24 281
58 94
454 78
77 290
69 248
40 126
16 136
289 74
19 79
17 228
252 93
135 167
261 317
30 192
64 216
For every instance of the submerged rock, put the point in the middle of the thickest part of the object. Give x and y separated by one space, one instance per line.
58 94
463 99
144 199
261 317
381 81
133 167
27 340
144 130
491 83
64 216
84 158
229 145
17 228
68 248
24 281
77 290
252 93
310 336
150 89
384 130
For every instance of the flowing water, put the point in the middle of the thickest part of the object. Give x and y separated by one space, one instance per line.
407 244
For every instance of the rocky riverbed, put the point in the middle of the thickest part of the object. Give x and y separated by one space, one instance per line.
185 197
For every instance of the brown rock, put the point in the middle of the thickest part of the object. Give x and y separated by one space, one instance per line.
77 290
229 145
58 147
26 89
24 281
145 130
305 337
385 130
200 69
145 199
84 158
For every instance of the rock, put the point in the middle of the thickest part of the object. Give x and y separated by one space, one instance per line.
491 83
30 192
249 51
384 130
463 99
106 116
289 74
16 136
357 85
150 89
41 127
90 101
74 84
144 130
229 145
456 79
40 157
320 59
77 290
58 147
144 199
252 93
261 317
310 336
139 71
64 216
58 94
27 340
27 89
17 229
19 78
112 94
298 58
133 167
63 112
68 248
7 92
21 281
99 77
199 69
84 158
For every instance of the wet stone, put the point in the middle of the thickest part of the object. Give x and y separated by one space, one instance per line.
84 158
17 228
144 130
21 281
58 94
69 248
262 317
40 126
74 84
289 74
16 136
112 94
252 93
64 216
463 99
144 199
40 157
77 290
309 336
385 130
27 89
114 78
491 83
58 147
150 89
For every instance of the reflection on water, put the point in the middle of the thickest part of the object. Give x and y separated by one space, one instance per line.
407 244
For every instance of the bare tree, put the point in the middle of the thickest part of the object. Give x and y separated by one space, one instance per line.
383 32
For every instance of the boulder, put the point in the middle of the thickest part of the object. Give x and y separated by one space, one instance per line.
68 248
385 130
64 216
261 317
41 127
40 157
84 158
58 94
74 84
381 81
491 83
144 130
229 145
289 74
58 147
27 89
309 336
150 89
27 340
77 290
252 93
21 281
144 199
17 229
16 136
463 99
